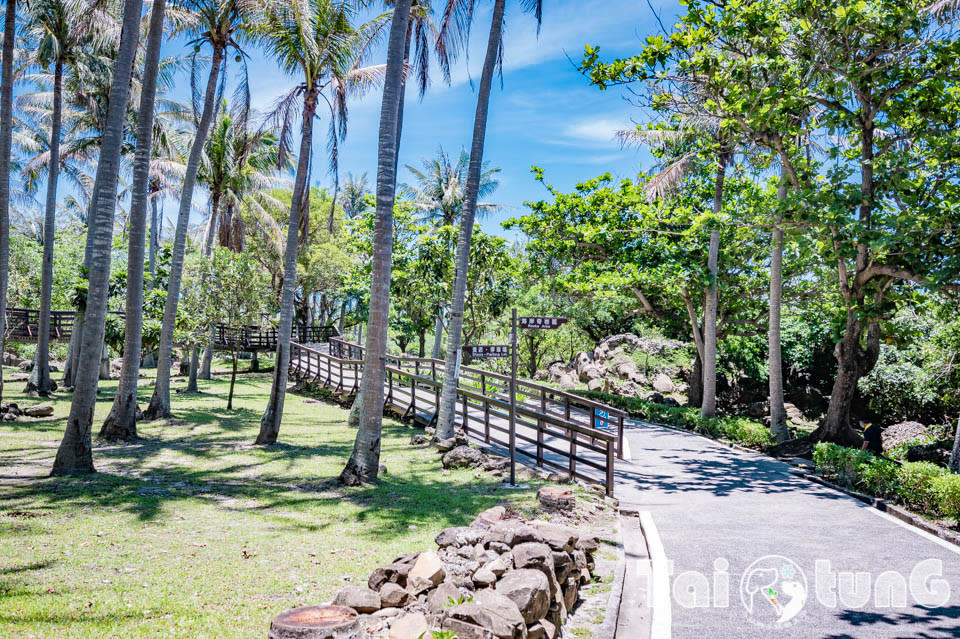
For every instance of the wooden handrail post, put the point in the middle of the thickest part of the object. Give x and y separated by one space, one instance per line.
573 455
610 462
620 436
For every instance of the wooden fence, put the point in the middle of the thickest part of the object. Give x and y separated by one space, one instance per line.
555 429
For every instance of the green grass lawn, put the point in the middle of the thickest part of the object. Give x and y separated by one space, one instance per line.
194 532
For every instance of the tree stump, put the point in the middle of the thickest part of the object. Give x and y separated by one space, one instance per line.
556 498
316 622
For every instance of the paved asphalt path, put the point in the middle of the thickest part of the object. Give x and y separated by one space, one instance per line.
708 502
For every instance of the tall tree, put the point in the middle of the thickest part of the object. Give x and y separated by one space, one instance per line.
491 62
364 462
121 423
439 189
75 456
316 40
6 144
60 28
220 24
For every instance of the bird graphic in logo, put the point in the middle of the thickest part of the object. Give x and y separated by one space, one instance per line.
780 583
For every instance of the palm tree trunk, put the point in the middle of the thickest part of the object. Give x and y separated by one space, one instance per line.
955 453
364 462
709 406
192 371
6 143
437 336
273 415
211 232
121 423
233 381
160 402
75 455
448 396
40 377
778 421
153 239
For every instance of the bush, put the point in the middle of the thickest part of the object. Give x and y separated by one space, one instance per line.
946 489
916 485
841 464
880 477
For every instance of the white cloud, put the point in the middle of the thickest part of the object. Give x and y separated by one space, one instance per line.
597 131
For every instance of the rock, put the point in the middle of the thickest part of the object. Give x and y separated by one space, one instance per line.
932 453
463 457
363 600
426 573
581 360
26 365
628 389
590 372
596 384
571 590
501 564
567 381
385 613
40 410
543 629
529 589
901 433
445 445
442 597
487 518
556 536
511 533
588 544
484 577
539 557
458 536
562 565
662 384
556 498
494 612
394 573
393 596
496 462
464 630
412 625
419 440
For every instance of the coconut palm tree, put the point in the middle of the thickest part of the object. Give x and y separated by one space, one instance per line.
353 195
6 146
61 28
74 456
474 173
317 40
439 189
121 423
364 462
221 24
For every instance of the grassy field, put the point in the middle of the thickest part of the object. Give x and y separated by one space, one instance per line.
194 532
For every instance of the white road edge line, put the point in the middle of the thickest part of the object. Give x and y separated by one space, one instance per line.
660 587
915 530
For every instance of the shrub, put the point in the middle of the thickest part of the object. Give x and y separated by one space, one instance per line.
880 477
946 489
916 485
840 463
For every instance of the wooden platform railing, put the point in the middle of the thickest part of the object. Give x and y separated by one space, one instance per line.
597 416
546 431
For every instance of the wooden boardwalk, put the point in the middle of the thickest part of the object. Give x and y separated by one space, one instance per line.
23 325
555 430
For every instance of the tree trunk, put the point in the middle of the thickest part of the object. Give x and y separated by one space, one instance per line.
364 462
695 383
6 143
192 371
422 346
254 362
75 455
709 406
438 336
153 239
160 402
40 376
778 416
955 453
273 415
448 398
233 381
121 423
211 233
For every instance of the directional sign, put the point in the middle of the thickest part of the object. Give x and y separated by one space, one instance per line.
601 419
481 351
541 322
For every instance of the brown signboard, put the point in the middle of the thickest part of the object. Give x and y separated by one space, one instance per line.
541 322
480 351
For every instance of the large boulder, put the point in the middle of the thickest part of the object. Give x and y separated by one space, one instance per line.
462 457
464 630
412 625
567 381
394 573
663 384
426 572
458 536
442 597
529 589
556 536
539 557
901 433
933 453
40 410
393 596
363 600
494 612
596 384
511 532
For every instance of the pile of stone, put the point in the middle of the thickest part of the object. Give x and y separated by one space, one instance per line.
500 577
12 412
902 433
610 368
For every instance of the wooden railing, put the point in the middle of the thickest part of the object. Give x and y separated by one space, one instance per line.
553 428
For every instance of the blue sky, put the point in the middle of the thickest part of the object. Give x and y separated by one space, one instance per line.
546 114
